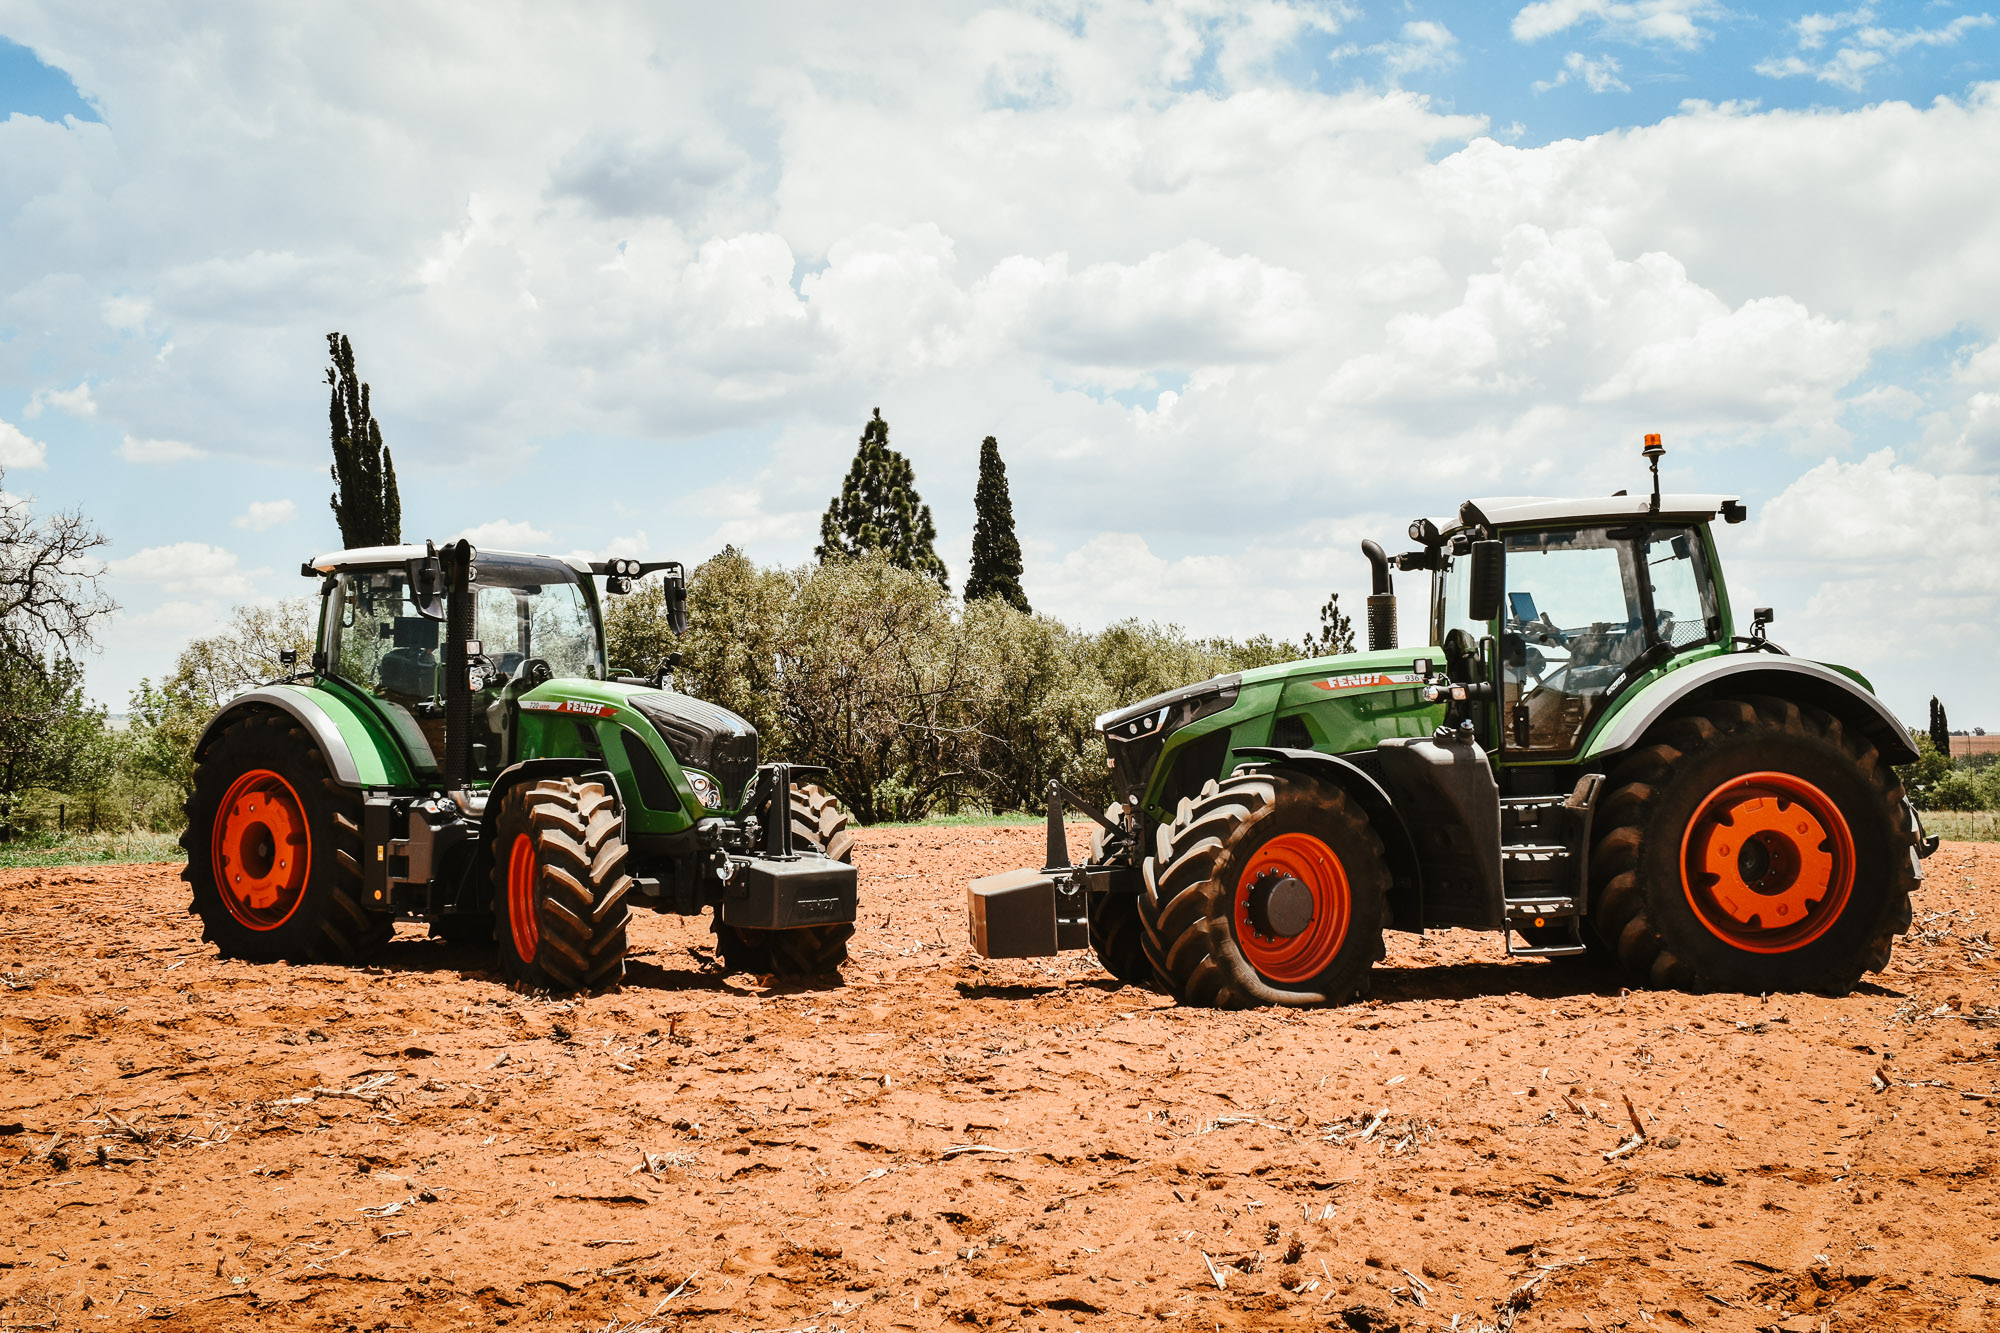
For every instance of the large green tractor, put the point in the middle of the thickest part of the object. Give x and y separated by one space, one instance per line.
461 753
1587 757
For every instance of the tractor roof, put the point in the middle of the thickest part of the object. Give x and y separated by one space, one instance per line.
1514 511
376 557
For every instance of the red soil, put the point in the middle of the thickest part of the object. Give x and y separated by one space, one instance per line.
943 1142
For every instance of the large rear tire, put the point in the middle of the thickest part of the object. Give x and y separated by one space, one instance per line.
559 886
1117 935
1246 836
803 951
274 850
1754 845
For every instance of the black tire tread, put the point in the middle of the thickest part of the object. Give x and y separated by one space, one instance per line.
342 929
1620 910
1185 908
581 884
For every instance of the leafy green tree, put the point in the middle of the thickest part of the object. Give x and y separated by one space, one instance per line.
51 736
876 678
996 551
878 510
167 719
1336 632
365 502
1035 703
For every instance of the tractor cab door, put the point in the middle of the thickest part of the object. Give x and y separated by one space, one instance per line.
375 640
1586 612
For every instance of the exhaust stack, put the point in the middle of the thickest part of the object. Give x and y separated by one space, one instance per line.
1381 600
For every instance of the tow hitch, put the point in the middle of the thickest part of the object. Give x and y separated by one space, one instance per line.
1039 913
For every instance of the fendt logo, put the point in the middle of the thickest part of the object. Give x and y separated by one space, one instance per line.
1368 679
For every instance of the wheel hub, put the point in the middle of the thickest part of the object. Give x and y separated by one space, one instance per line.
261 852
1280 906
1768 862
1292 906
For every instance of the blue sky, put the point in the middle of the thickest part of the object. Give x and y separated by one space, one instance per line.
1234 285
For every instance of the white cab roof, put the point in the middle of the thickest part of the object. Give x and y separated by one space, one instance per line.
1514 510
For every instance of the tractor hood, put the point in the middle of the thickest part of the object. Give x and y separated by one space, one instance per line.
704 737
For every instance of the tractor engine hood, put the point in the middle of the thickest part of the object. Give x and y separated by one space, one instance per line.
703 736
1134 736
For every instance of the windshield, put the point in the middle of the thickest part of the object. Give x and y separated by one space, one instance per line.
376 639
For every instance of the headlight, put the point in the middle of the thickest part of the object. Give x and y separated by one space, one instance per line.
705 788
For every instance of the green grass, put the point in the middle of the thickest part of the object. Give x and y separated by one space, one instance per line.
72 849
1963 825
974 819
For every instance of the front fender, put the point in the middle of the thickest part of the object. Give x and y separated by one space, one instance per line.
1736 674
534 770
1406 891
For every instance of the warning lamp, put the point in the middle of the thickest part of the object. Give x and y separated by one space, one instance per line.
1653 447
1654 451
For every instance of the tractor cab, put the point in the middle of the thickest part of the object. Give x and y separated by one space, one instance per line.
1548 610
534 618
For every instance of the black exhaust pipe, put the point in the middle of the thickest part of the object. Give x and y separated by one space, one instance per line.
1381 601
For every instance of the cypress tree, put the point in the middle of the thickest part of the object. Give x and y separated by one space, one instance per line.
878 509
365 502
1940 729
996 551
1336 632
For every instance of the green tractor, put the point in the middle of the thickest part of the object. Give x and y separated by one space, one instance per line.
461 753
1586 757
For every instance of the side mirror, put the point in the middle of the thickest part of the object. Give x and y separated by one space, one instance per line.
427 585
674 589
1485 584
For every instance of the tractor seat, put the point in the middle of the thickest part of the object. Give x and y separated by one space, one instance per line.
409 671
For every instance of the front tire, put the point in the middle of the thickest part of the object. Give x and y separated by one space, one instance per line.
802 951
1755 845
1256 833
1117 935
559 886
273 850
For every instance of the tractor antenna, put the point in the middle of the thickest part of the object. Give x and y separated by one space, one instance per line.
1653 451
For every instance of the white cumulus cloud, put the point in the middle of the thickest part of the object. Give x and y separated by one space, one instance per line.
1673 22
18 450
503 534
136 450
263 515
77 402
194 571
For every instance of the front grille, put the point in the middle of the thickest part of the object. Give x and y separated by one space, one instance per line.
706 737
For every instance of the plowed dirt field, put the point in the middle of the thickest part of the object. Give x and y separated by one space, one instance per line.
942 1142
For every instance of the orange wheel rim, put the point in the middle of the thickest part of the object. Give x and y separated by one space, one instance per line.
1306 955
260 850
521 898
1767 862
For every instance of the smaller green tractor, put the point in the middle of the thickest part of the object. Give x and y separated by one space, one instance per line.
461 753
1587 757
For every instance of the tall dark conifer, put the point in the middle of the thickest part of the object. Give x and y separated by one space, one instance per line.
1940 728
996 551
878 509
365 503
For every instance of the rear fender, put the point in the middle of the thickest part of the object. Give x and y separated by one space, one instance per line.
356 754
1736 674
1406 885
